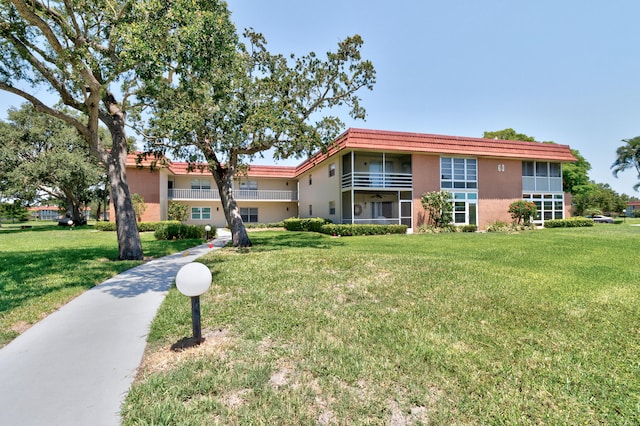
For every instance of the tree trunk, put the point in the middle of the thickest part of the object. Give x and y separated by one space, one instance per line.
129 245
224 180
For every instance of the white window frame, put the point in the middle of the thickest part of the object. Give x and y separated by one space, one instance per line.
249 214
200 213
458 173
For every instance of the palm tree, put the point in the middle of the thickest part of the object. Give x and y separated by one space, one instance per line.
628 157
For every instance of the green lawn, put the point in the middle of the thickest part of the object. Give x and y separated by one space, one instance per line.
44 267
541 327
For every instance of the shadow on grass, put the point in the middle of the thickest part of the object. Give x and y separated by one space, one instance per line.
281 240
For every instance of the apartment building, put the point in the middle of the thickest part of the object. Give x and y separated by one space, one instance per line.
372 176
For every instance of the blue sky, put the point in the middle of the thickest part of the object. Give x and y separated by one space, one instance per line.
566 71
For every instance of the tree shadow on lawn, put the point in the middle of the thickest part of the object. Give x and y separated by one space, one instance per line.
289 239
66 268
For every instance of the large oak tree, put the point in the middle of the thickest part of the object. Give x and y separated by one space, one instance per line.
74 49
239 100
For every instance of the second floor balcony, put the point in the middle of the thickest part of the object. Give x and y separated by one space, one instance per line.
377 180
240 195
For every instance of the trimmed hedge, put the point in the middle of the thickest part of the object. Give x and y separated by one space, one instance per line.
310 225
142 226
178 231
349 230
572 222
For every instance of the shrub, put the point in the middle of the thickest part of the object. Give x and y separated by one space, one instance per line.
364 229
432 229
468 228
178 231
439 206
105 226
142 226
311 225
522 211
571 222
178 211
500 226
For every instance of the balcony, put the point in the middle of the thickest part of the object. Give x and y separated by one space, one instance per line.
377 180
240 195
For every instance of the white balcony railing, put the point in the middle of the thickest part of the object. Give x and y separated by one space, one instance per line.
377 180
240 195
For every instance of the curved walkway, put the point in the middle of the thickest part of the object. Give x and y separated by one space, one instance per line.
76 366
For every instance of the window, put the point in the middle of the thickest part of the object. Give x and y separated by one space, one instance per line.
465 208
332 207
541 176
332 169
200 213
250 185
310 210
458 173
249 214
550 206
200 184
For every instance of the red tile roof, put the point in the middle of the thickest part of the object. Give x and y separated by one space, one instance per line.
381 140
405 142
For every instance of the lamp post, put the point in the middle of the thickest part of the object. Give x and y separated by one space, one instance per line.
193 280
207 228
624 213
70 223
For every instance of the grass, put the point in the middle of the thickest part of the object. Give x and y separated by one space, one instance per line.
44 267
541 327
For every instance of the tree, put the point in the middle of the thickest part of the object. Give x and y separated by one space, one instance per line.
45 158
522 211
439 205
628 157
178 211
508 135
228 103
575 174
75 49
138 205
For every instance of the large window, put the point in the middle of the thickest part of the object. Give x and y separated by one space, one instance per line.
200 213
458 173
549 206
249 214
541 176
250 185
200 184
332 207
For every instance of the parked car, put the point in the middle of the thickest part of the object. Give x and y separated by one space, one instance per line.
598 218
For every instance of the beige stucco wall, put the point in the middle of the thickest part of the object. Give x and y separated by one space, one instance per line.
322 190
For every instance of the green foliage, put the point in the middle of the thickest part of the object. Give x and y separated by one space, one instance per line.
522 211
596 198
507 228
361 229
178 211
224 105
142 226
468 228
432 229
575 174
439 208
42 155
572 222
508 135
264 225
13 211
628 157
310 225
139 207
178 231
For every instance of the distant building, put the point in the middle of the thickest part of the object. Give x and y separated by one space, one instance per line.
633 207
52 212
371 176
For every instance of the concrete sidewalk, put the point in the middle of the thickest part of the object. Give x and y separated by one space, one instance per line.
76 366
